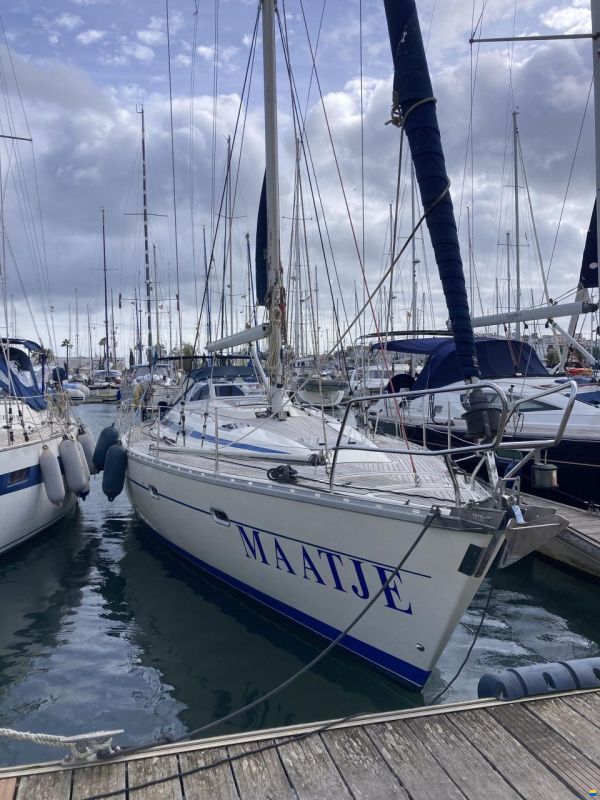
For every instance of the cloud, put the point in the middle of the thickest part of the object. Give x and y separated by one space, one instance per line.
90 36
574 18
138 51
68 21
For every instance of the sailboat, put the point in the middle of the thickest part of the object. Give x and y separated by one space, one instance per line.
379 546
34 435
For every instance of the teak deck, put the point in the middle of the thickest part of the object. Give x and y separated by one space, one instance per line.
537 749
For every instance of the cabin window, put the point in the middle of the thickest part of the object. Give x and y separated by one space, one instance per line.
19 476
228 390
537 405
201 393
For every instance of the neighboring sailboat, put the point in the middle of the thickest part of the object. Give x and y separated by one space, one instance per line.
308 515
36 440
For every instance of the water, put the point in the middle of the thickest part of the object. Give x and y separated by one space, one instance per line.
102 628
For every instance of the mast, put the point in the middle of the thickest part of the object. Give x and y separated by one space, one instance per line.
517 249
112 328
272 183
508 278
413 244
595 7
90 341
207 289
230 231
106 338
156 298
146 244
77 327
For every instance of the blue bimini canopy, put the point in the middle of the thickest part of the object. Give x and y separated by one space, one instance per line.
17 377
227 372
498 358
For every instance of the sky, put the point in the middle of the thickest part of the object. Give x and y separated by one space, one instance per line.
76 74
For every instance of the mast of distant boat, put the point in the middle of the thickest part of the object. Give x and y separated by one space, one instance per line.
106 338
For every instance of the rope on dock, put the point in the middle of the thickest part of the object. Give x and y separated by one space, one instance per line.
83 747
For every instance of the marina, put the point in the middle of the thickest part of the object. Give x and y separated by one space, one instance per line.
538 748
258 537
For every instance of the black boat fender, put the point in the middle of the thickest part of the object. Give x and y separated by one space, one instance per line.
108 437
536 679
115 467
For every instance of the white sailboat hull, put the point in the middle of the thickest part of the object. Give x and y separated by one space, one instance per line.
317 558
24 506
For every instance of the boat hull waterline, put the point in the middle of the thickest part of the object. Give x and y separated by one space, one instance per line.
318 567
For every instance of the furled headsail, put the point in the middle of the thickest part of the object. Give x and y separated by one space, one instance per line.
414 105
588 277
261 263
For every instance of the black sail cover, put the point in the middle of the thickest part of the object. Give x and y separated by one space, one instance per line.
261 259
589 262
412 84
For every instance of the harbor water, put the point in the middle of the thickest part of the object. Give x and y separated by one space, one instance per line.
103 628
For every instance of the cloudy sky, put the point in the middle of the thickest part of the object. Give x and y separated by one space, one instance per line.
75 74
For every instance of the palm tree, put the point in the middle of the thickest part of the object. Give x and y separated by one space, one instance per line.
66 343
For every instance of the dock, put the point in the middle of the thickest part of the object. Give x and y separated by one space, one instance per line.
535 748
578 547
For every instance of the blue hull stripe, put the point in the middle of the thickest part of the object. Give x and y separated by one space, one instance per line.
33 479
413 676
227 442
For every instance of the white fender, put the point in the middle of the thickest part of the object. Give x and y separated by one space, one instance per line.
86 440
51 476
75 475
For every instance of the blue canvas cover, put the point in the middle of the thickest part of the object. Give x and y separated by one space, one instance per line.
17 376
498 358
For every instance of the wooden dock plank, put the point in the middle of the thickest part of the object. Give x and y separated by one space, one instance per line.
412 763
588 705
548 746
260 776
573 726
98 779
8 787
311 770
217 782
516 764
463 763
363 768
149 769
46 786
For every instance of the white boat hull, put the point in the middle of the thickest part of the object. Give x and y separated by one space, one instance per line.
24 506
317 558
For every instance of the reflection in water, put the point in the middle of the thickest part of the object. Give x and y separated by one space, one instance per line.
103 628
